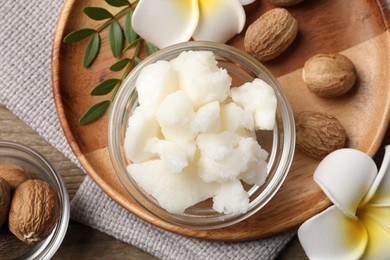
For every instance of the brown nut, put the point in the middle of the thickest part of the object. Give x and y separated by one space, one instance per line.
5 197
13 174
285 2
318 134
270 34
34 211
329 75
10 246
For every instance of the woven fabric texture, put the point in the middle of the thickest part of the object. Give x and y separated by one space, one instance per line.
26 36
27 30
100 212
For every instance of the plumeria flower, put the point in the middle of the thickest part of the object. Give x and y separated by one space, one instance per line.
357 226
166 22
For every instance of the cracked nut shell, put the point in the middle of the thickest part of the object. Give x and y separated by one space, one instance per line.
318 134
34 211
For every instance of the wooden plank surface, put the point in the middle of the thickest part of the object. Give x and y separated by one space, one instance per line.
81 241
358 29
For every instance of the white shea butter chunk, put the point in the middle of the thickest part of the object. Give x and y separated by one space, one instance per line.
231 198
174 115
259 98
246 133
154 83
175 156
256 171
226 157
234 118
207 118
141 127
174 191
200 77
216 146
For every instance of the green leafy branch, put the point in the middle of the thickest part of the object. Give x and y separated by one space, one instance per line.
115 40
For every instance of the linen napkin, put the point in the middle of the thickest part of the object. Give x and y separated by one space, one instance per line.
26 34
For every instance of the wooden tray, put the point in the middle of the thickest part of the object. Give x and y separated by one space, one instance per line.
358 29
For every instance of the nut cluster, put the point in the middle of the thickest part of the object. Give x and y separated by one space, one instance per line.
326 75
31 207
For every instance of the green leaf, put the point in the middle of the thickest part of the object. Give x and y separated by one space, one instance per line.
115 38
97 13
94 112
120 64
131 45
92 50
117 3
137 60
130 34
104 87
150 48
78 35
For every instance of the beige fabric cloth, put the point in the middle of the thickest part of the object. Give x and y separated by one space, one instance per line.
26 34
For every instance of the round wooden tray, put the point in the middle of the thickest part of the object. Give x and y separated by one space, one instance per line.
358 29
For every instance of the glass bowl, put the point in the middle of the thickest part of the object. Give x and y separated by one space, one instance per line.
279 143
37 167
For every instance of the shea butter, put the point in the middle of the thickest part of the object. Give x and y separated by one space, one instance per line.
192 137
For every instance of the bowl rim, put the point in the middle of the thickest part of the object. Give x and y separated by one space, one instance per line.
53 241
167 54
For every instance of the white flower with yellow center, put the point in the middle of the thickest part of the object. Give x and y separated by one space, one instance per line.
357 226
166 22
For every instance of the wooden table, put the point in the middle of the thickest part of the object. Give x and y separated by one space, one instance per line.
81 241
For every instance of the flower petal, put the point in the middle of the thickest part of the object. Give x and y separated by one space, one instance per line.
345 176
332 235
246 2
378 240
219 20
379 193
165 22
380 214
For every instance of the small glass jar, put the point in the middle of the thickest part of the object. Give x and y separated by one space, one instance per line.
279 143
38 167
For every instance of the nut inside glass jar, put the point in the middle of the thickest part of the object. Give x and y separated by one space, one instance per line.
39 168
